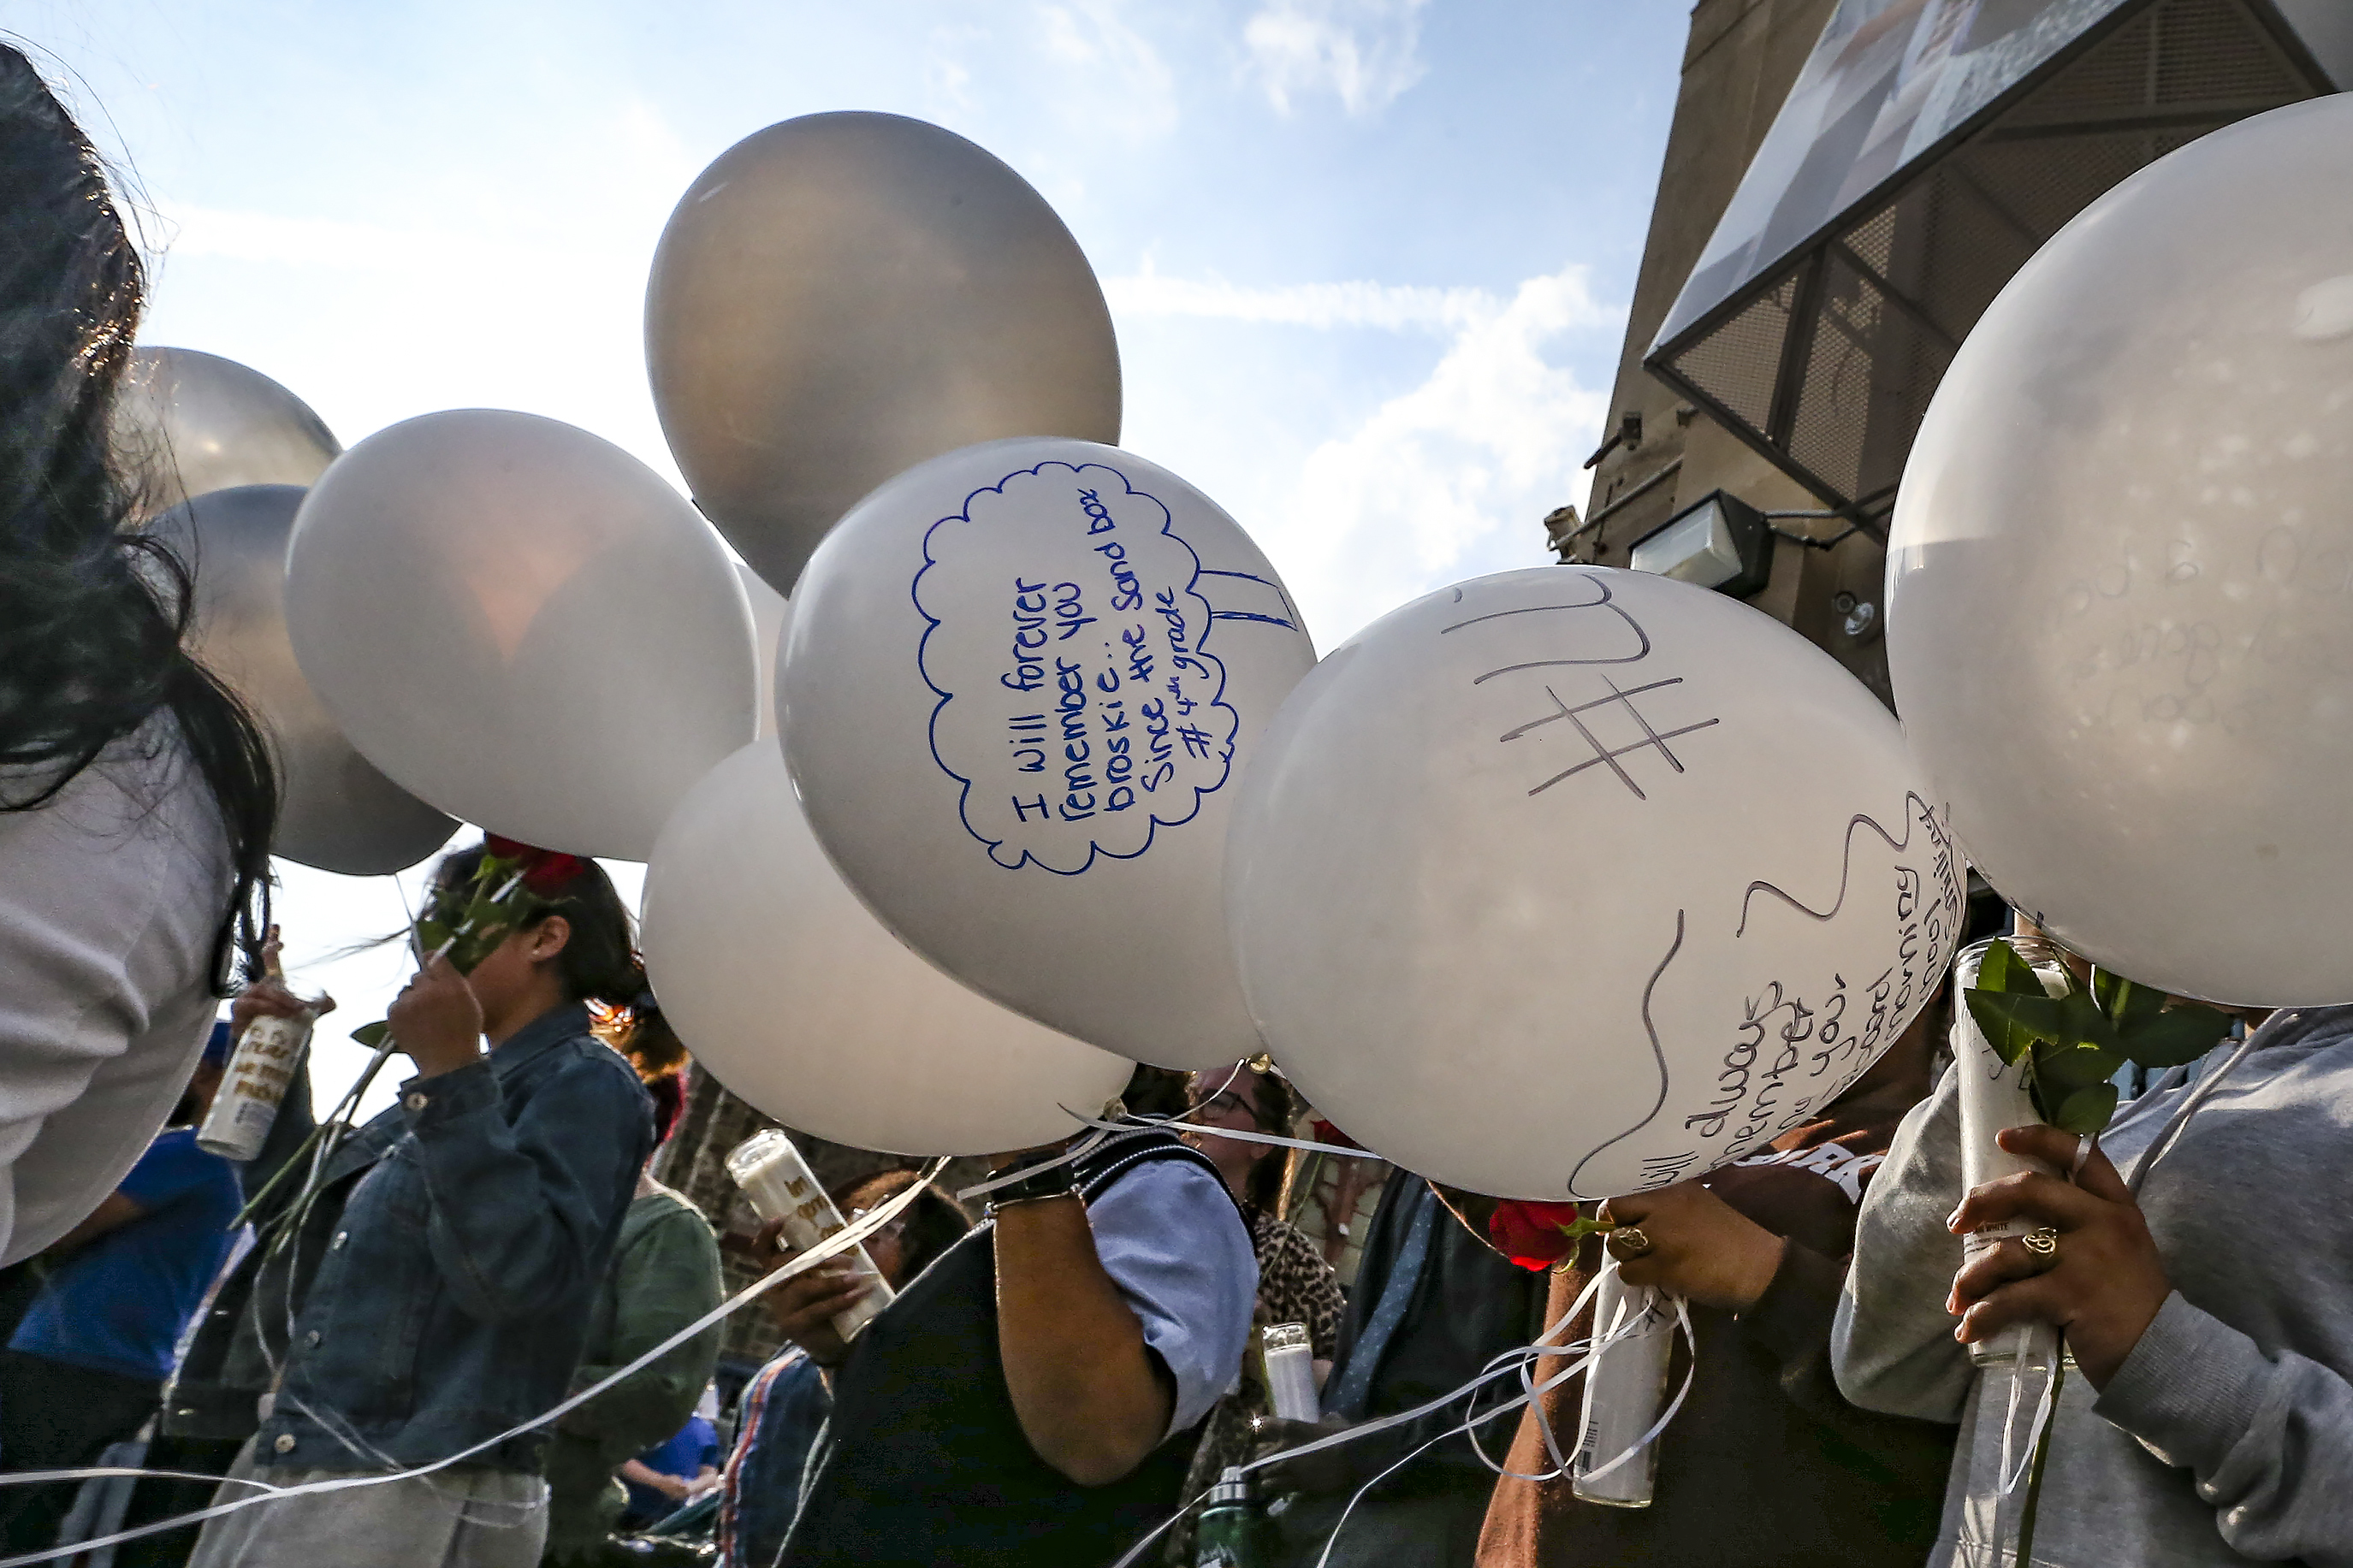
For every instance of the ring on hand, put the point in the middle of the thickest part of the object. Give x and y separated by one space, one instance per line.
2042 1242
1628 1241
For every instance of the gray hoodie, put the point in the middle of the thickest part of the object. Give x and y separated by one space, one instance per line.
2227 1435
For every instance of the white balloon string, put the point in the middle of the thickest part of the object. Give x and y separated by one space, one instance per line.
2180 1123
1135 1122
2046 1405
1515 1362
801 1262
1079 1151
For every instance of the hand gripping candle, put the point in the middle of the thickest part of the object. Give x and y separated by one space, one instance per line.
781 1186
255 1082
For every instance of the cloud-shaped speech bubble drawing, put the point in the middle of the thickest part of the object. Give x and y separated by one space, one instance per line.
1077 705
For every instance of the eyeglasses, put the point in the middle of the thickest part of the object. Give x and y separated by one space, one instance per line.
1228 1102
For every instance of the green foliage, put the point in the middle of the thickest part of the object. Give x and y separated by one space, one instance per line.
466 923
2073 1043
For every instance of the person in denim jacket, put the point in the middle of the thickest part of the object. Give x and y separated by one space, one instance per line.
443 1298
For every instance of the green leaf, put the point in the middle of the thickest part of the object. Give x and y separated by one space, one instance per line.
2070 1068
372 1035
2012 1022
2087 1110
431 933
2086 1023
2125 1002
2176 1035
2001 970
1989 1011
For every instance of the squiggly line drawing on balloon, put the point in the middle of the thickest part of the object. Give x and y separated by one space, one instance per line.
1657 1055
1846 865
1605 601
1651 736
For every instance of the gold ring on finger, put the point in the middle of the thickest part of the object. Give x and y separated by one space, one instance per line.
1628 1241
2042 1242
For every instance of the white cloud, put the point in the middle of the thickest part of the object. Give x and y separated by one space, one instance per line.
1388 306
1452 477
1126 88
1365 53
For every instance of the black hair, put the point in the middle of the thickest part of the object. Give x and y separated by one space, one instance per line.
93 619
935 1221
600 963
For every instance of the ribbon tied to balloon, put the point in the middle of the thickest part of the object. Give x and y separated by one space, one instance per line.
1017 690
1573 882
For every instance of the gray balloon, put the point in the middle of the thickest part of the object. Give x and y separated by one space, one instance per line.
842 296
339 812
189 423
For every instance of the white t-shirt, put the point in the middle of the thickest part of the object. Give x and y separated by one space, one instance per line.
110 895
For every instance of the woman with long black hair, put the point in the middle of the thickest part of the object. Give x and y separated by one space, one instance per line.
432 1290
136 796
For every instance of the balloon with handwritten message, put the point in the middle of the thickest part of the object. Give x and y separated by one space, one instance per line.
1573 882
2120 577
840 296
523 625
797 998
1019 686
336 811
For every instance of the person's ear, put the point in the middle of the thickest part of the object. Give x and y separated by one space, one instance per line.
549 938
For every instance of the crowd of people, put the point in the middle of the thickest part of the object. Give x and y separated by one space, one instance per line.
361 1337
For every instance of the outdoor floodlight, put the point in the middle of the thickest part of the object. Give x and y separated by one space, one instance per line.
1718 542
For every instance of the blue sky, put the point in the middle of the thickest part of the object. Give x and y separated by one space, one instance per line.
1369 259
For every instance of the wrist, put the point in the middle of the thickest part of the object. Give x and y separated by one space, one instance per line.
1037 1179
434 1061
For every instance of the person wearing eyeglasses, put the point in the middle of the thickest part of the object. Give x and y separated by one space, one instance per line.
1296 1284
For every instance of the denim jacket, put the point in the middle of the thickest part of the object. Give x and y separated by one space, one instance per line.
443 1281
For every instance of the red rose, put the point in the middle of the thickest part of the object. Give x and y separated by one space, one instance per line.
545 871
1327 1133
1535 1236
547 874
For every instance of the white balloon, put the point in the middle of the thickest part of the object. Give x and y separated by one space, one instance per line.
2120 586
797 998
770 611
335 811
523 625
1572 882
1018 685
189 423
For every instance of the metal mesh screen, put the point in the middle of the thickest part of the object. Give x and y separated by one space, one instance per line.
1828 369
1738 364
